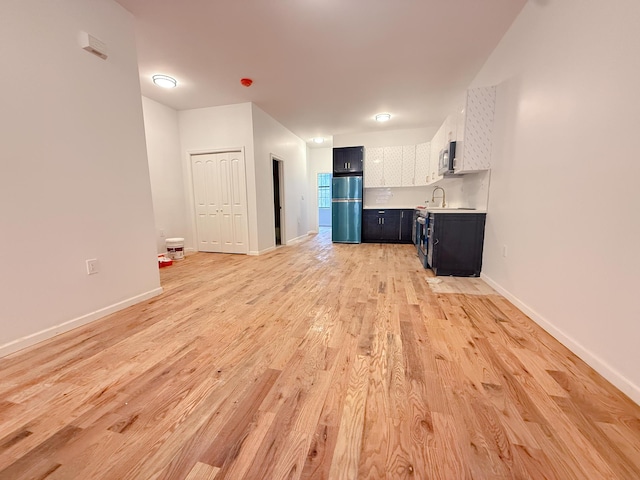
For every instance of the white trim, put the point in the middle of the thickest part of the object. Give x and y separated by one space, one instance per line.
207 151
274 247
298 239
50 332
312 232
262 252
593 360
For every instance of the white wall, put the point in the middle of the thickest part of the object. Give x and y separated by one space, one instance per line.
165 169
474 191
271 139
385 138
74 183
564 185
216 129
320 160
245 125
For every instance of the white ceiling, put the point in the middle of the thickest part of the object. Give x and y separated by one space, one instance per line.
320 67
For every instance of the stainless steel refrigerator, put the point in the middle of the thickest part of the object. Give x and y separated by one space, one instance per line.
346 209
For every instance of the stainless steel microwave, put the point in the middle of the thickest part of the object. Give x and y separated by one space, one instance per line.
445 161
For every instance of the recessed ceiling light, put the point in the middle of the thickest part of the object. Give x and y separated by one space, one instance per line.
164 81
318 140
383 117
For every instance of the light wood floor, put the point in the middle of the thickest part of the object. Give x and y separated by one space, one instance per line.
316 361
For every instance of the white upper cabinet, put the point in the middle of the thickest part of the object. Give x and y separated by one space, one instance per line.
374 167
422 172
408 165
475 131
450 130
437 144
392 166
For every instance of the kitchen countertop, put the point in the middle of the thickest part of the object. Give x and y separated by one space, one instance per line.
455 210
430 209
382 207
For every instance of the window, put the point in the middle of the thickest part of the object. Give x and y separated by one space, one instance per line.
324 190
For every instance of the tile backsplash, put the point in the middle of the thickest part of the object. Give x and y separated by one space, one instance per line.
401 197
464 191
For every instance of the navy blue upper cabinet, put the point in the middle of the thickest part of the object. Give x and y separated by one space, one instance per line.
348 161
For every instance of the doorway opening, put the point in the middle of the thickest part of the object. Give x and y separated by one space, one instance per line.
324 199
278 182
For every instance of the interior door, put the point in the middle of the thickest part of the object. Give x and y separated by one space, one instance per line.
226 200
205 187
238 207
220 193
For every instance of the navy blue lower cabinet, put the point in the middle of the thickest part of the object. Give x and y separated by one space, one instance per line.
391 225
455 243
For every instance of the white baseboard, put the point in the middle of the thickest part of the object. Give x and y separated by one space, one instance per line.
298 239
48 333
272 248
261 252
593 360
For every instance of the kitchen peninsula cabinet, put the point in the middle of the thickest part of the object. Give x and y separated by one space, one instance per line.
455 243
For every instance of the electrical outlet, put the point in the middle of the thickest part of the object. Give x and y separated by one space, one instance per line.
504 251
162 233
92 266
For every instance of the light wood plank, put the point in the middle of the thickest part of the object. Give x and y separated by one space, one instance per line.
314 361
202 471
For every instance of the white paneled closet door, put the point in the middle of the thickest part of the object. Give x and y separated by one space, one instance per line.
239 222
224 169
205 185
220 192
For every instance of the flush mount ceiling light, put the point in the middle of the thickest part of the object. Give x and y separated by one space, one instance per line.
164 81
318 140
383 117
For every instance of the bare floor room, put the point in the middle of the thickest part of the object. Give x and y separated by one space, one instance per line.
319 239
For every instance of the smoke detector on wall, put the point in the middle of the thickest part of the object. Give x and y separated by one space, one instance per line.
93 45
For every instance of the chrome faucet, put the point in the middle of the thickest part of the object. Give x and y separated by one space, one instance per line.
433 197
